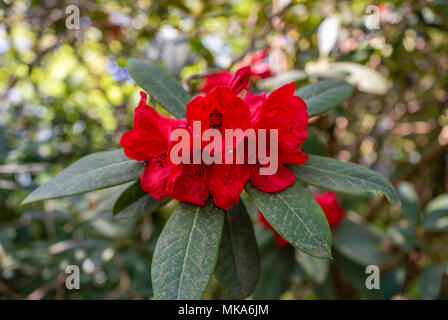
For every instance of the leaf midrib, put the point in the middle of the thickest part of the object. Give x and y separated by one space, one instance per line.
186 252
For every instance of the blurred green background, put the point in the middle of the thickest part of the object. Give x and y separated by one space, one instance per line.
64 93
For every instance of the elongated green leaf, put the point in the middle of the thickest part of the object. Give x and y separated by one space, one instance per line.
186 252
436 214
238 265
409 201
324 95
297 217
134 202
156 81
431 281
360 243
96 171
345 177
315 268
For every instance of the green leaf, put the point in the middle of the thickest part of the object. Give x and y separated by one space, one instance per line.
134 202
409 201
435 217
345 177
277 266
238 265
315 268
324 95
392 282
163 87
297 217
359 242
95 171
431 282
186 252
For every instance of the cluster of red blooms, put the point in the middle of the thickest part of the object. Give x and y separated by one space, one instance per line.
330 206
220 108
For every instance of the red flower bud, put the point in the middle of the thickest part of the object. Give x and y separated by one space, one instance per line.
240 80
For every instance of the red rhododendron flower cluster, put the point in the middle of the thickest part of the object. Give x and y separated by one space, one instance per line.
330 206
258 69
221 108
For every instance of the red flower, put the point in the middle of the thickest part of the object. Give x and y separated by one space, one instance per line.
219 109
251 66
283 111
212 81
330 206
237 82
258 68
149 141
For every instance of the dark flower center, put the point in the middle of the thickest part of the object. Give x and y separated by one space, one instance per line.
161 160
215 120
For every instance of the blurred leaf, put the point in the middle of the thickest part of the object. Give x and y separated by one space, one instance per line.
156 81
345 177
134 202
315 268
238 266
435 216
324 95
297 217
392 282
431 282
95 171
283 78
327 34
175 54
356 275
186 252
409 201
360 243
277 266
364 78
315 143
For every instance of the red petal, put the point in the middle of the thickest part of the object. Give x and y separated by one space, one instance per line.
220 109
273 183
142 147
215 80
240 80
225 182
154 179
190 186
